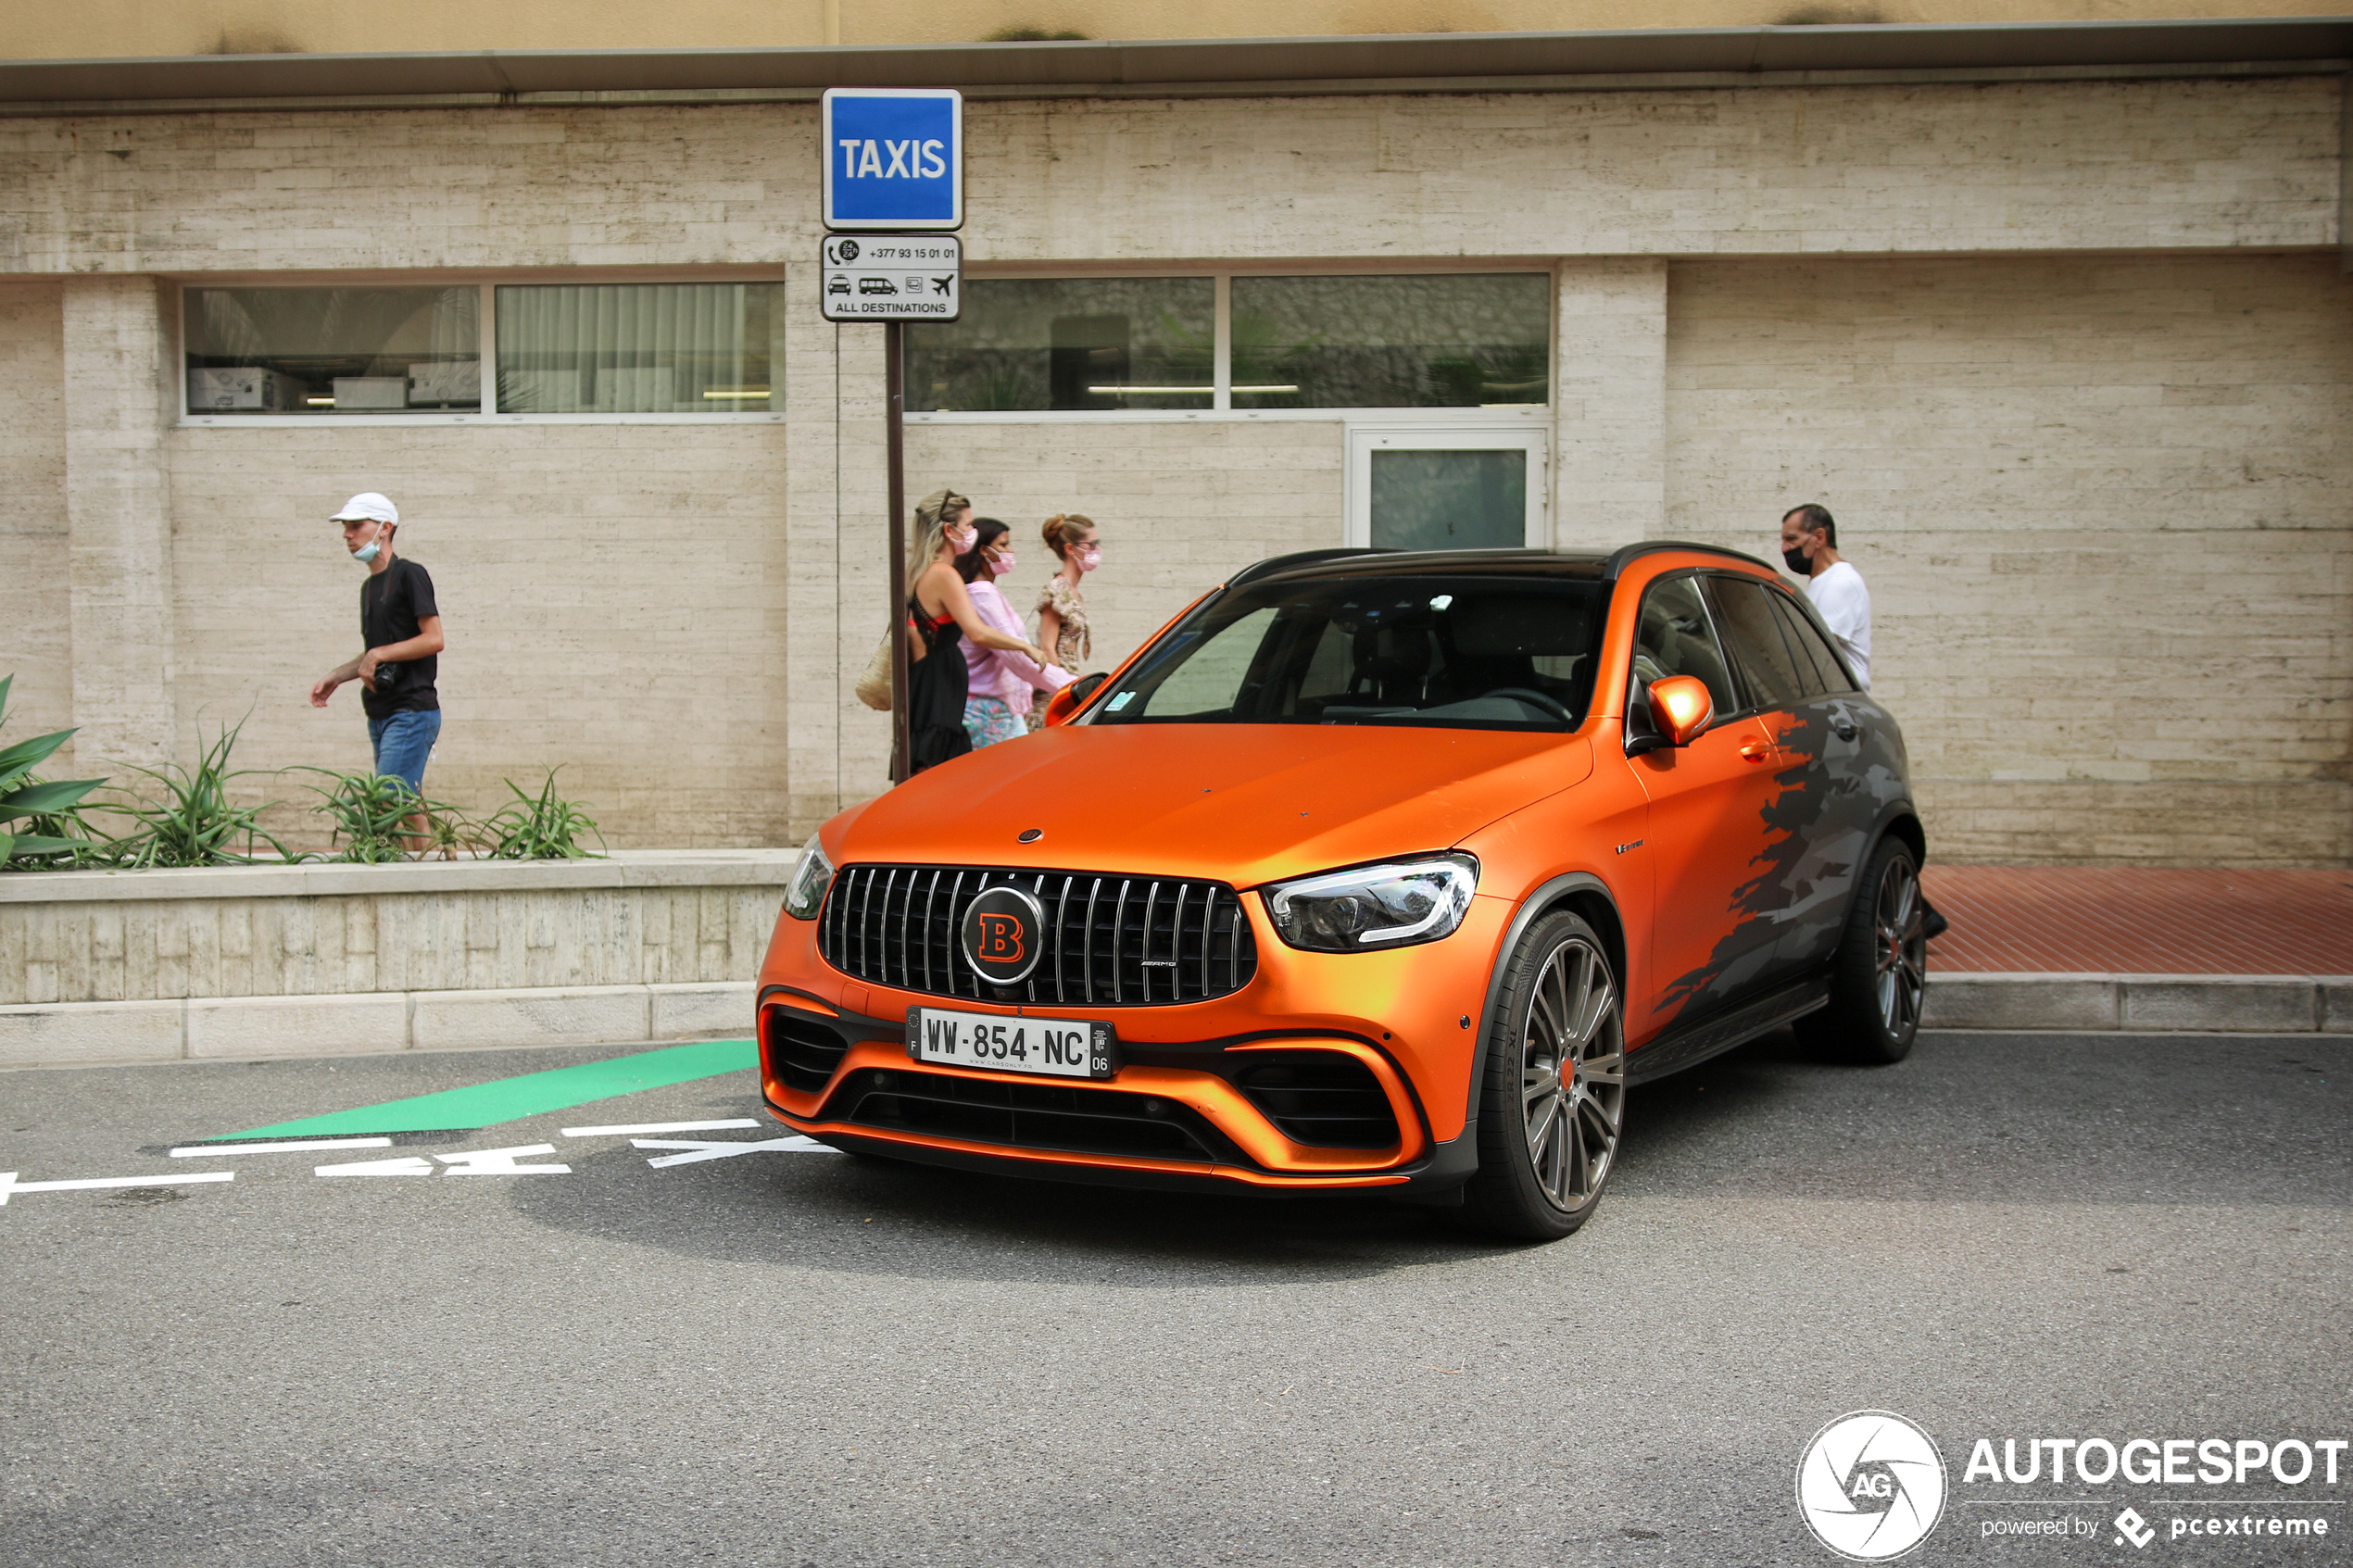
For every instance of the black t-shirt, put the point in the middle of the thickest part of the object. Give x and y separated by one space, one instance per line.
391 602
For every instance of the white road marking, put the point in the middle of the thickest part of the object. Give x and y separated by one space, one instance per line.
502 1162
195 1149
9 1184
659 1127
703 1149
411 1165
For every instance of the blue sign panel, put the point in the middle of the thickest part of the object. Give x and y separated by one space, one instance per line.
894 157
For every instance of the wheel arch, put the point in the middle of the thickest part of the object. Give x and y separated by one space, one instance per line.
1581 893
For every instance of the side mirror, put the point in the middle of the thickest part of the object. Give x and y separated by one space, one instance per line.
1073 697
1680 707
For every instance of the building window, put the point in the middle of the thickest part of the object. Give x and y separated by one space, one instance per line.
635 348
1445 340
1068 344
574 349
1438 341
335 351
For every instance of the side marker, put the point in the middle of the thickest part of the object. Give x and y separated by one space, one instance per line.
9 1184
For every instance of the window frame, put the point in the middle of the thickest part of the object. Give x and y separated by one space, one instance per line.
486 324
1221 408
1732 671
1754 703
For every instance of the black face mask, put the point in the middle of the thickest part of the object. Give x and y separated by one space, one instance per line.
1795 561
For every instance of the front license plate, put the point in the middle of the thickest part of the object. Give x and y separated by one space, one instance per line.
1059 1048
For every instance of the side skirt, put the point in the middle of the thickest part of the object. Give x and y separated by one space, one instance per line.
1688 1045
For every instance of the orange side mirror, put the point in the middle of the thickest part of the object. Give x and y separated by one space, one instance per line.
1681 708
1072 697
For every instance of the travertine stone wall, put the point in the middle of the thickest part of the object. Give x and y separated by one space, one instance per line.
614 599
2062 164
36 621
2101 504
119 585
272 933
1609 403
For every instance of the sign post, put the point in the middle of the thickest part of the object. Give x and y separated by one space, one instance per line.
894 188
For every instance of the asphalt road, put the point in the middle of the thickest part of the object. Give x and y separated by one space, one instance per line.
806 1358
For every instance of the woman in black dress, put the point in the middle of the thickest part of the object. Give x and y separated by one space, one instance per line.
941 612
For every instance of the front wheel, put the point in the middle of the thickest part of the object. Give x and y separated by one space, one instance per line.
1552 1094
1880 978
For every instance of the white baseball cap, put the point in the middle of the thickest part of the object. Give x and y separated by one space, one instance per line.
368 507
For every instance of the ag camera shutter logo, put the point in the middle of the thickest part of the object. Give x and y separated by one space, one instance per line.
1871 1486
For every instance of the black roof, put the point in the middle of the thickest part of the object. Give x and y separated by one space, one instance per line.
1366 561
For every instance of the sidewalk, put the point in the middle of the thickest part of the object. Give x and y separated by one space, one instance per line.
2134 947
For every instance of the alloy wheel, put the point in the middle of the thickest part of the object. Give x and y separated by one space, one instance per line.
1573 1074
1901 948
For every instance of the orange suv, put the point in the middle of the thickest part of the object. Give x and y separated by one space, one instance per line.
1372 870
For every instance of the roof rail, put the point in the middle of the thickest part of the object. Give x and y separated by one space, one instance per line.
1300 558
1620 560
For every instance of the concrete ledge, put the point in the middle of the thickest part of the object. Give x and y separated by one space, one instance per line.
82 1031
245 1027
250 1028
2240 1003
623 867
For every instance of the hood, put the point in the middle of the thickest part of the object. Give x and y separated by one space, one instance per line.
1239 803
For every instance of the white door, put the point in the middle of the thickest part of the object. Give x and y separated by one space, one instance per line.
1446 487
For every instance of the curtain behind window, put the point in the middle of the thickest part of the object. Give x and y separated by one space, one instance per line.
634 348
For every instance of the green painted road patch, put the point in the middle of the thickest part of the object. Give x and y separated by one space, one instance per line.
532 1094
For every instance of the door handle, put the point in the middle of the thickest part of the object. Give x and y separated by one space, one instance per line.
1844 726
1757 750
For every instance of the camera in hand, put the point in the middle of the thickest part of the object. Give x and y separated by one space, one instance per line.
388 678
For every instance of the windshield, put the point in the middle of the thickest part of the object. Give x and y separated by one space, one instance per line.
1440 651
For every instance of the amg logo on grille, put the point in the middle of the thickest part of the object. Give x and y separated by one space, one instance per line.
1001 934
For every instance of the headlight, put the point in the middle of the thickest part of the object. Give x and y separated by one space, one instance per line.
1387 906
812 874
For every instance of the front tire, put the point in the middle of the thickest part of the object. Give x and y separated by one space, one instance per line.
1552 1091
1880 978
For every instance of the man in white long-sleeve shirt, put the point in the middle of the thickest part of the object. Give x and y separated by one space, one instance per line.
1809 547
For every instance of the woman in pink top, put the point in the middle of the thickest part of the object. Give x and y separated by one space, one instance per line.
1003 683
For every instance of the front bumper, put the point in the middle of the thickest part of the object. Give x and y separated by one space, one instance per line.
1190 1106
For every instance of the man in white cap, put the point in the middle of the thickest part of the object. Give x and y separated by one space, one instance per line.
400 636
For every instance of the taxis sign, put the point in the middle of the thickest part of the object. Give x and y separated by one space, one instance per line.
894 159
892 277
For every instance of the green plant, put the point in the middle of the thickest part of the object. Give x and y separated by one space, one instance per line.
54 831
193 823
376 815
541 827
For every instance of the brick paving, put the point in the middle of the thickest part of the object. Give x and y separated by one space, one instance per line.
2114 920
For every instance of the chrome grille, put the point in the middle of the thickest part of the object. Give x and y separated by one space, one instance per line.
1110 941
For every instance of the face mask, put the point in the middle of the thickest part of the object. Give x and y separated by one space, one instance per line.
960 539
1089 559
1795 561
999 565
369 551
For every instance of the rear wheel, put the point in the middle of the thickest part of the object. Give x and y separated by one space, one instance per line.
1880 979
1552 1094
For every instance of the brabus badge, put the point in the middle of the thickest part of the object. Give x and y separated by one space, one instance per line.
1004 930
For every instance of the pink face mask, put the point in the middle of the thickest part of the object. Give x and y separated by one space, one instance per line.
1089 558
960 539
999 565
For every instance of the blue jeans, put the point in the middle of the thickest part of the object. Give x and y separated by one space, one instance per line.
403 742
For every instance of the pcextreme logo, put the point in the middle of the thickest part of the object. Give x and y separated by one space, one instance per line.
1871 1485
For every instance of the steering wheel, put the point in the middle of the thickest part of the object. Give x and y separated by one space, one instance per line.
1534 699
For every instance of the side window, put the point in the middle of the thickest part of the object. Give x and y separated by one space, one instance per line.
1810 647
1673 636
1752 631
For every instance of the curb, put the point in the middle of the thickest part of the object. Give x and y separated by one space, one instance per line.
2233 1004
250 1028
